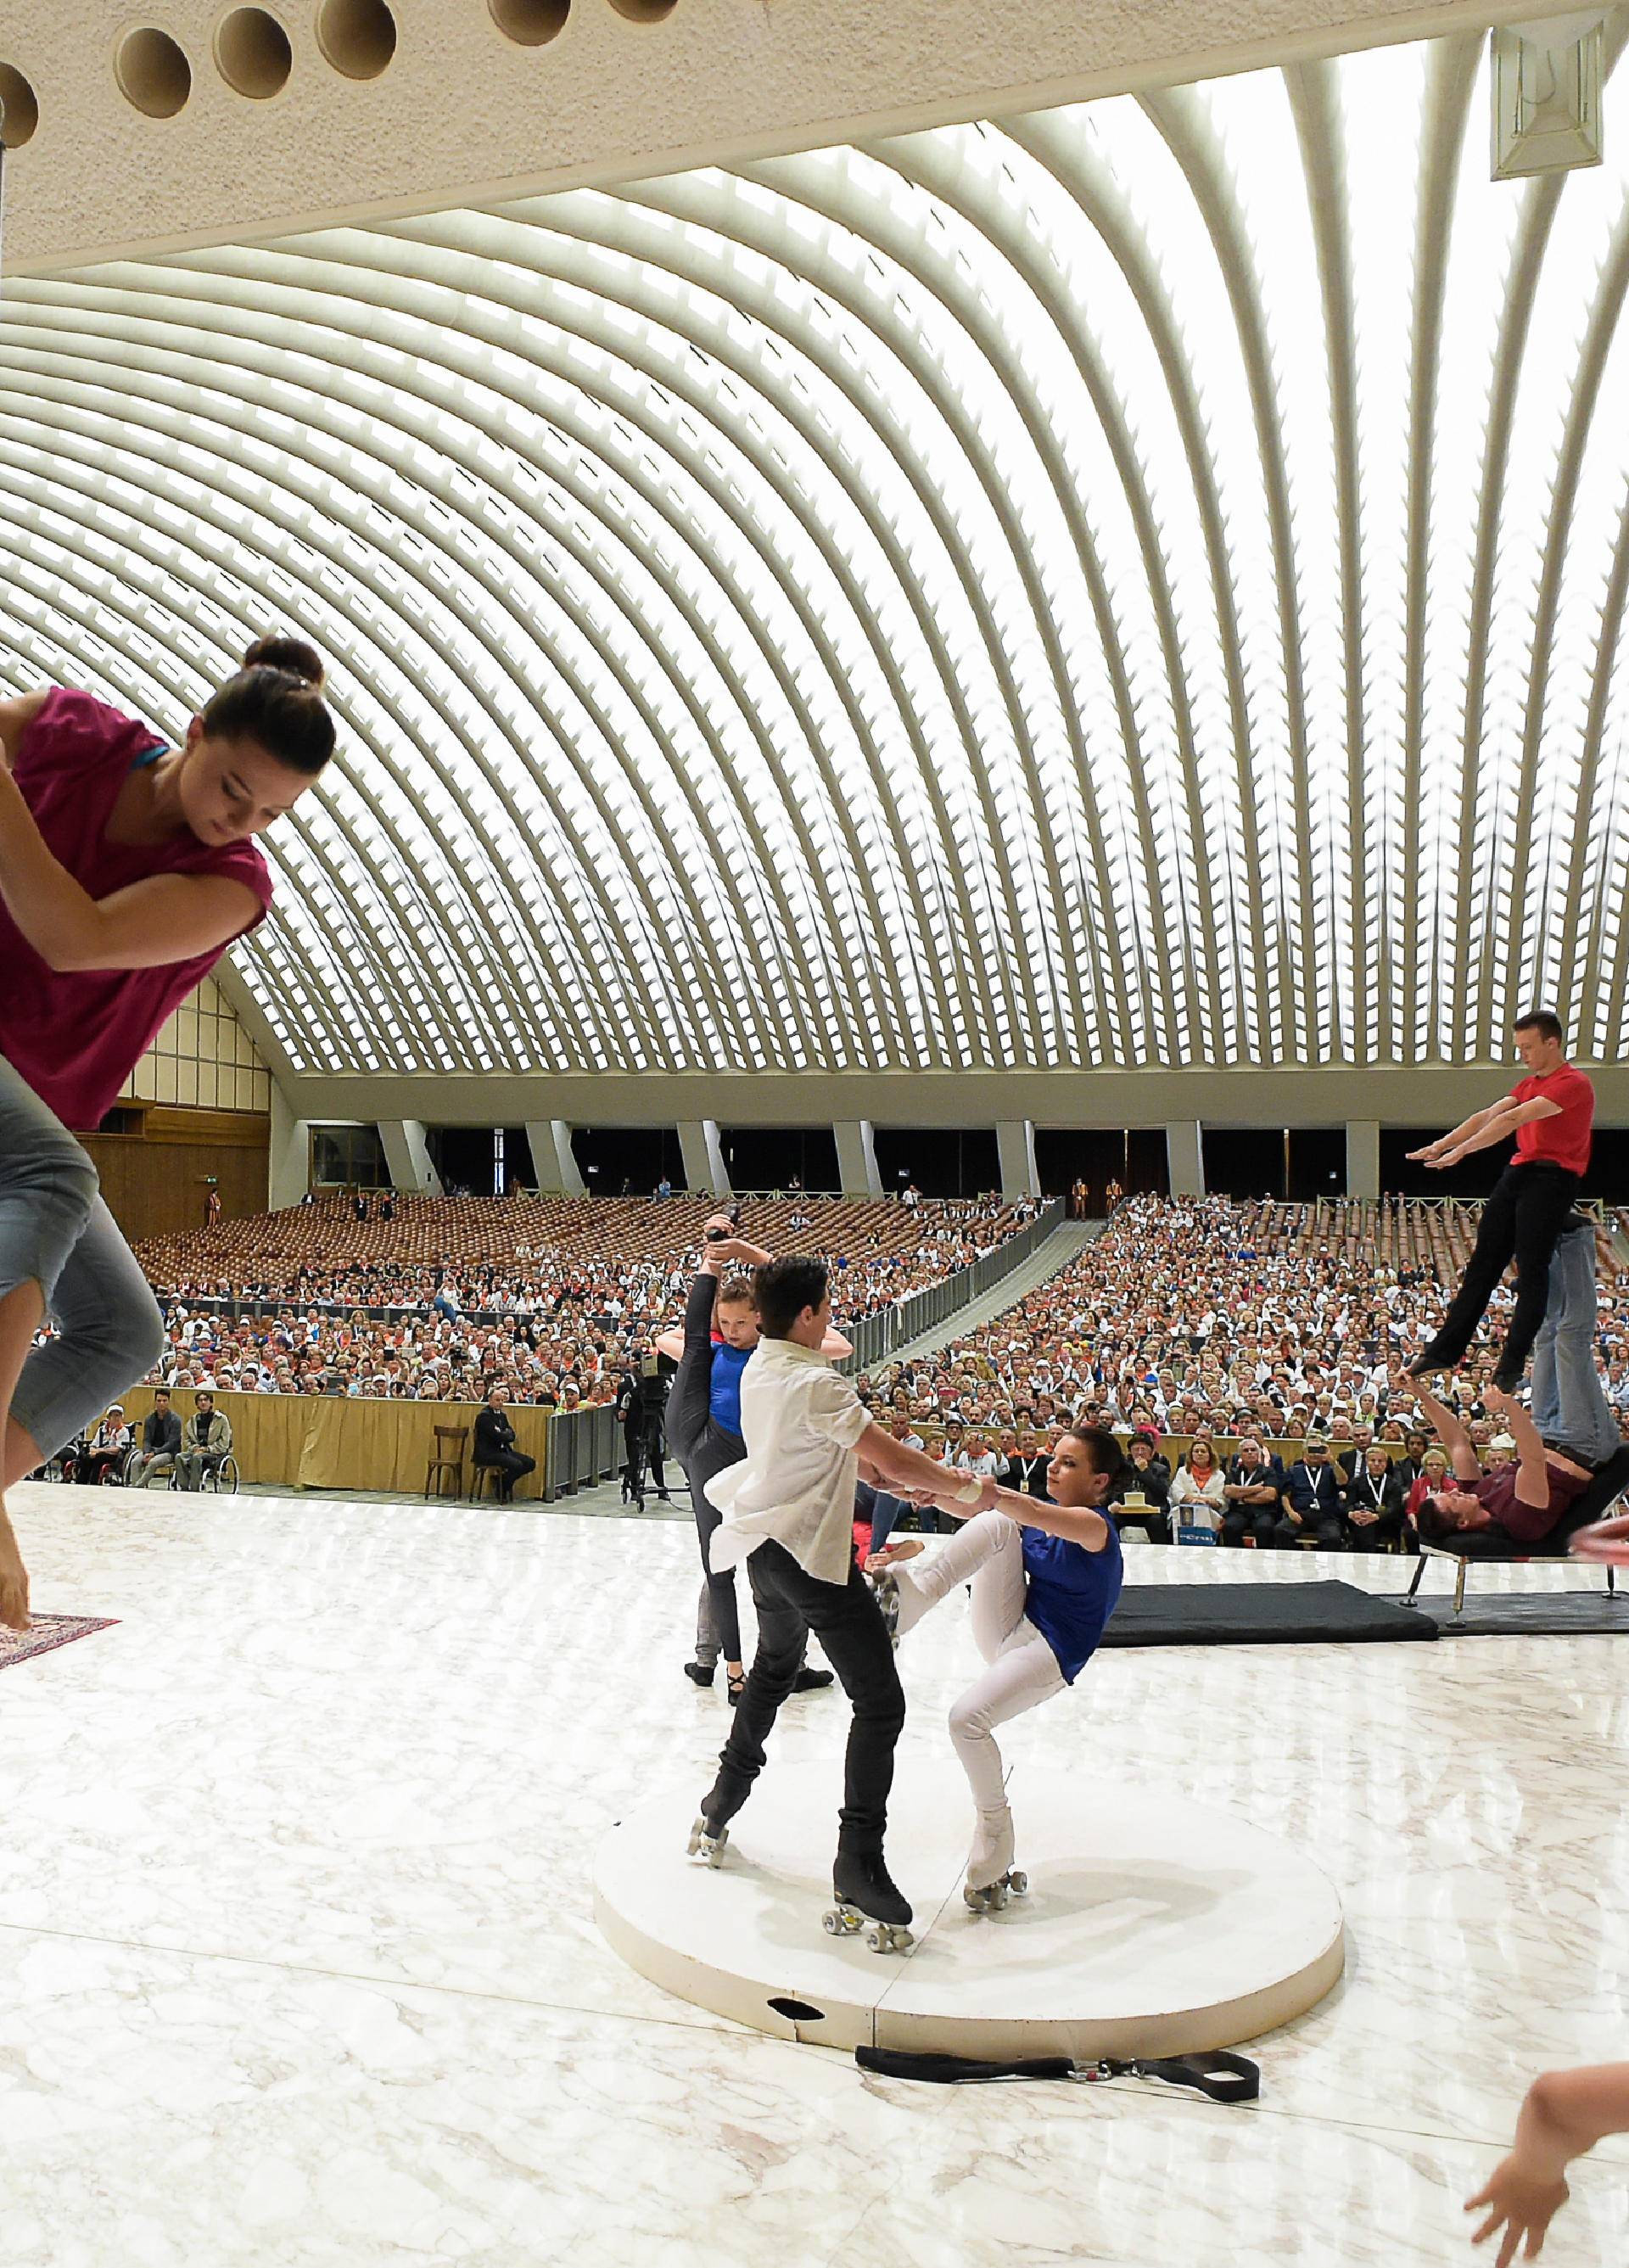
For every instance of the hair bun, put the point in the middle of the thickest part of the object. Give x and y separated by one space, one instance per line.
291 655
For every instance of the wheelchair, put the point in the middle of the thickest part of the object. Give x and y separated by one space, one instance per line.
222 1479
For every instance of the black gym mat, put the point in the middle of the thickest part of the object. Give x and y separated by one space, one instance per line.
1530 1614
1260 1613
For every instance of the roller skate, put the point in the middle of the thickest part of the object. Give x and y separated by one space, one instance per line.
866 1898
992 1877
707 1841
901 1602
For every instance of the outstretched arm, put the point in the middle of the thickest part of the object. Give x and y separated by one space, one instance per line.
1500 1126
1461 1449
1566 2113
905 1470
1533 1471
1434 1153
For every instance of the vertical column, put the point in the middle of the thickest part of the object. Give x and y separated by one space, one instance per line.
1184 1157
288 1175
1363 1157
1015 1145
407 1153
552 1160
857 1160
704 1157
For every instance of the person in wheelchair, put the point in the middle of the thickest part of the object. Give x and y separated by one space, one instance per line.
206 1444
161 1442
110 1446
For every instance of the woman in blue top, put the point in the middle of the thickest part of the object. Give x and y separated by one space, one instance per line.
1045 1579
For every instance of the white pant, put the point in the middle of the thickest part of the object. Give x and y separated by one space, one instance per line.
1022 1669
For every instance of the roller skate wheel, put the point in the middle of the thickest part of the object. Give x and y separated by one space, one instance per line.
832 1925
1018 1883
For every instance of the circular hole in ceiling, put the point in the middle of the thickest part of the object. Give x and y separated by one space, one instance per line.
643 12
20 109
153 72
252 55
530 23
359 37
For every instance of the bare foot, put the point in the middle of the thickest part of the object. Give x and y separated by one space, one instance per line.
13 1578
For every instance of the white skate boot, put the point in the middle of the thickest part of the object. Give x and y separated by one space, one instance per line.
992 1878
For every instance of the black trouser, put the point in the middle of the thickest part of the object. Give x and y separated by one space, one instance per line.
848 1622
514 1464
1257 1520
642 1438
1380 1536
1521 1221
705 1450
1326 1529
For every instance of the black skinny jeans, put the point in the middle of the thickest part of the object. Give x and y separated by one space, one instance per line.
706 1449
1521 1221
848 1622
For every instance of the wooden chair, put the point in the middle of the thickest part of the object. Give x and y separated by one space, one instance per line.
482 1474
446 1461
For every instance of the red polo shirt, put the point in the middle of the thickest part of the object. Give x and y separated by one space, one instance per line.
1528 1523
1563 1140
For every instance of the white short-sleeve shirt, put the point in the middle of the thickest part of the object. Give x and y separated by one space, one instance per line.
795 1485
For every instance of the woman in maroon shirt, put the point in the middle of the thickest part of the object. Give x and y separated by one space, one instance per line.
127 868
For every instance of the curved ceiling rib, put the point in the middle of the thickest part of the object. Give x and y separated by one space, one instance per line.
1138 583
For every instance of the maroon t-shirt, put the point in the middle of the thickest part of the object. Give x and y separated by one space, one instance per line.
1528 1523
77 1034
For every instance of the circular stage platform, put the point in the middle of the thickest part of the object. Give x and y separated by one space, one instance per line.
1152 1927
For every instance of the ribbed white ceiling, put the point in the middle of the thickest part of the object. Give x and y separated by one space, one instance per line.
1138 583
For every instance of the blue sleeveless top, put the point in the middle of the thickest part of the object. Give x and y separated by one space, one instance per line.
723 1401
1072 1591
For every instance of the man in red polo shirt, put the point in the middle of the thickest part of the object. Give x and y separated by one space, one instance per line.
1551 1112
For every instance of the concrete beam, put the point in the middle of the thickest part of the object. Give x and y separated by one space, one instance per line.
703 1156
1436 1095
407 1153
289 1167
858 1172
1015 1145
454 120
1362 1158
1184 1157
553 1161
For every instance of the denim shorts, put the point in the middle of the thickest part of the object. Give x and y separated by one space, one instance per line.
56 1232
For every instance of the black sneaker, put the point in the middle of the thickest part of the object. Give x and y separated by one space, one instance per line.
699 1672
811 1681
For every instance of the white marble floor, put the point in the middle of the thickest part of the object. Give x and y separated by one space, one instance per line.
298 1964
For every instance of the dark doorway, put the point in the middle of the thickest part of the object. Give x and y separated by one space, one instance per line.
627 1161
776 1157
943 1162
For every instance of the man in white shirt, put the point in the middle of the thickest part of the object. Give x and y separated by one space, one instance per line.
788 1511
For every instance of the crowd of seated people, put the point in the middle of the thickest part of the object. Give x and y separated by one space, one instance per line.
550 1297
1247 1353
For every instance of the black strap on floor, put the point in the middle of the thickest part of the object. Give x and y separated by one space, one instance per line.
1223 2076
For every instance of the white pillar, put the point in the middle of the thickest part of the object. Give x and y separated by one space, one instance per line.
554 1164
704 1157
857 1160
407 1153
1015 1147
1362 1157
1184 1157
288 1166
